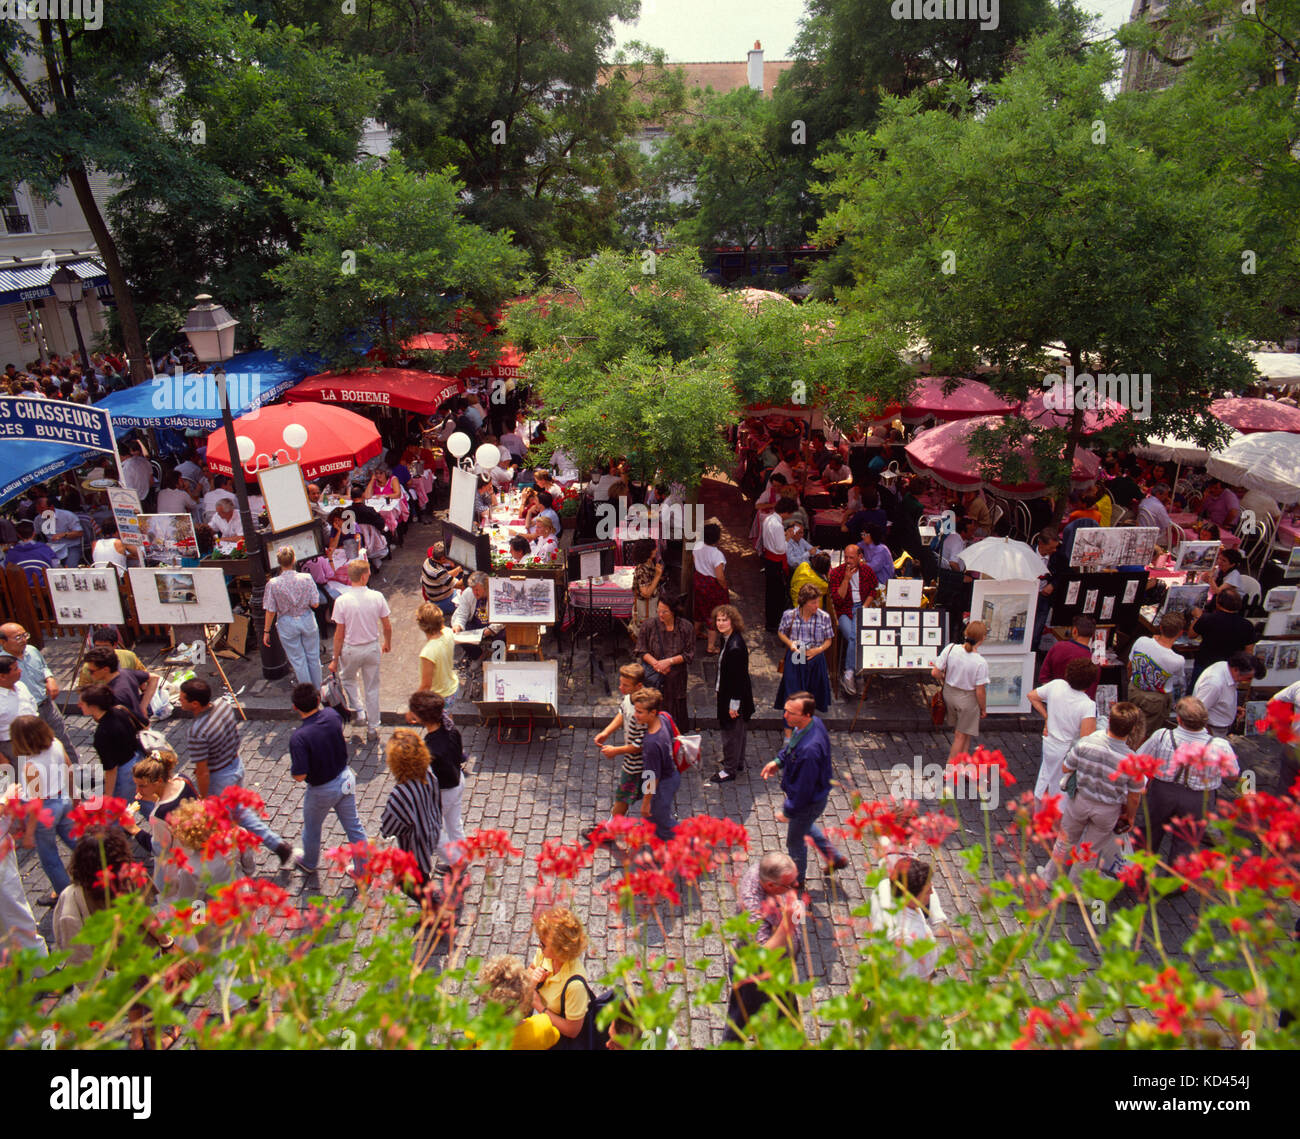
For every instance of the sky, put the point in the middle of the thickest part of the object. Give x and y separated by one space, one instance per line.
693 31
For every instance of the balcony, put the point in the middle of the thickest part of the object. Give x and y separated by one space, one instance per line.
16 222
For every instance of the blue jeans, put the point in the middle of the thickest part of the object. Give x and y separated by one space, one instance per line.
661 806
849 631
316 806
448 607
233 776
803 823
47 846
300 637
124 784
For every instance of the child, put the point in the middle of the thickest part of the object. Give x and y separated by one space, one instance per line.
631 679
412 814
508 985
46 776
558 961
905 907
447 757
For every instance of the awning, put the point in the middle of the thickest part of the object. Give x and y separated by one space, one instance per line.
32 283
253 379
35 461
405 388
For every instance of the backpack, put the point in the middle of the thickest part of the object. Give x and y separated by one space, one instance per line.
334 695
590 1038
686 749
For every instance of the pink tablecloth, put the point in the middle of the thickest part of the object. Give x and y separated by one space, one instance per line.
1288 533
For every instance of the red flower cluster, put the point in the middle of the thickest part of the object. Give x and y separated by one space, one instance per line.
1164 992
376 866
633 833
123 879
1281 720
882 817
981 758
1276 822
483 845
1082 853
1136 767
932 829
242 899
109 813
649 886
1069 1026
715 832
1200 864
560 861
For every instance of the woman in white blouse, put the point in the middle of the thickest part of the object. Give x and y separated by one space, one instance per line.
965 677
545 548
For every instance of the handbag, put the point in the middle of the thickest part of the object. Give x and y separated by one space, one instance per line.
590 1038
686 749
938 706
334 695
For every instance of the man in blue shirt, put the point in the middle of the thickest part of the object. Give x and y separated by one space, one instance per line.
805 766
876 554
318 756
29 554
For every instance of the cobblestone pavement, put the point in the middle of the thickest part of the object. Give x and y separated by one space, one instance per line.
554 787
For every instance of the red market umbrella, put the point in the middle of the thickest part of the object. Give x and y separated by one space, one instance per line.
406 388
337 439
944 454
1249 415
1037 410
969 398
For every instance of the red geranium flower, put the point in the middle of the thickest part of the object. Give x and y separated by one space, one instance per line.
1136 767
649 885
109 813
483 845
1280 720
981 758
634 833
557 860
243 898
1164 992
932 829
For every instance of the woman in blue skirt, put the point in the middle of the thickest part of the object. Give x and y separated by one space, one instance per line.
807 633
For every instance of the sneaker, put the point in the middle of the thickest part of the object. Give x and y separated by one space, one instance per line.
721 777
301 865
288 854
837 863
248 863
589 835
848 683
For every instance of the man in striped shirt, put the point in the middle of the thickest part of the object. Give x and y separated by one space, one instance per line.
438 582
214 750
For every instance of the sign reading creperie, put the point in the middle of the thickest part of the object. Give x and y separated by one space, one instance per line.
342 395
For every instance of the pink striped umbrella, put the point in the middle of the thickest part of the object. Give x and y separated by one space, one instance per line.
944 454
969 398
1249 415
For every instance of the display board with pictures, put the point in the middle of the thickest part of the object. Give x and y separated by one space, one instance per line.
180 596
1196 557
1291 570
1184 598
304 543
521 601
900 638
1102 547
1112 597
1281 660
525 681
1011 679
85 596
168 538
1007 609
1283 608
285 493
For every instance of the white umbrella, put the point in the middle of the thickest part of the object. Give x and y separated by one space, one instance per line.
1171 449
1003 560
1267 461
1277 367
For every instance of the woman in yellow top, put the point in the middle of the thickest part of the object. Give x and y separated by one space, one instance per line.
814 571
559 960
438 657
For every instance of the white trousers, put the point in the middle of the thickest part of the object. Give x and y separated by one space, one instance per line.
362 662
453 830
1052 767
17 922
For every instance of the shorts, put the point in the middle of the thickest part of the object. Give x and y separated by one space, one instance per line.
629 789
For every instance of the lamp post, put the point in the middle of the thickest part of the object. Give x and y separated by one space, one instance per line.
211 333
68 291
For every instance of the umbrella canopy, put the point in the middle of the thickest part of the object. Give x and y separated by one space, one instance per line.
753 298
1171 449
969 398
407 388
1277 367
337 439
1251 415
1035 409
1267 461
944 454
1004 560
508 358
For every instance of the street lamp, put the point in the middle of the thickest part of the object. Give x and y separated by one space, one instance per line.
68 290
211 333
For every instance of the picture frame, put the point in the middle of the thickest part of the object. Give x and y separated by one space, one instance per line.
894 618
1007 609
930 618
1130 592
912 619
1011 679
932 636
304 543
1196 557
284 492
523 681
1090 601
460 509
85 596
1072 593
889 636
905 592
1256 710
1107 609
167 538
1100 547
1281 599
162 604
869 637
1184 598
878 658
1292 568
521 601
908 636
917 658
871 618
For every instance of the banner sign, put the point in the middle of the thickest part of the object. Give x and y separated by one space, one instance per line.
126 513
56 421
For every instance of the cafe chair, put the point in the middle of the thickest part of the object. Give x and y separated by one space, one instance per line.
524 640
1251 593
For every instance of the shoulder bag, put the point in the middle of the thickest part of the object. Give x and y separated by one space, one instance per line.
938 708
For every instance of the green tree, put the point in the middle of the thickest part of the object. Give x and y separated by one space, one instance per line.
511 93
1042 220
385 254
276 104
